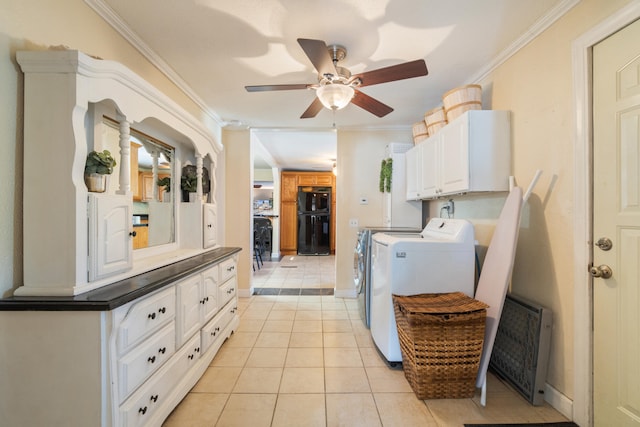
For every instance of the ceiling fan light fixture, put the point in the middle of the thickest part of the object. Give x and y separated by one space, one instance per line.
335 96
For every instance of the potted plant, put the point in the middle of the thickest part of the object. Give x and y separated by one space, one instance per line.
97 168
189 183
165 182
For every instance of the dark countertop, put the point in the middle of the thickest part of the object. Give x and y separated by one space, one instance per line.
119 293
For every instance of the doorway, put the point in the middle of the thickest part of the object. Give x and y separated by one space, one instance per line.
583 231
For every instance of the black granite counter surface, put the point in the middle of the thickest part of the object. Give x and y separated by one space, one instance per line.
119 293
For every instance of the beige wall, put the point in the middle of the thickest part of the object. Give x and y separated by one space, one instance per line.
36 25
536 85
359 157
237 204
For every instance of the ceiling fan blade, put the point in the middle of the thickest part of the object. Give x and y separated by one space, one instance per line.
403 71
370 104
313 109
264 88
319 56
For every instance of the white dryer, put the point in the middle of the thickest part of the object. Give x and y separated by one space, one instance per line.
439 259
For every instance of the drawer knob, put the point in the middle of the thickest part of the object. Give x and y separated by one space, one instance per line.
162 310
154 398
152 316
142 410
133 234
191 357
151 359
213 334
162 350
209 225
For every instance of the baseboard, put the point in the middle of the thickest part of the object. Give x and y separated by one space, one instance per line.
345 293
245 293
559 401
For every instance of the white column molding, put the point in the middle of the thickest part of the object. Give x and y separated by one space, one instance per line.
124 128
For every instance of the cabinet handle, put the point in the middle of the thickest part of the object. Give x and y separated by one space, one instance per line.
151 359
154 398
202 301
152 316
162 350
197 350
217 328
213 334
133 234
191 357
142 410
162 310
209 225
206 299
231 268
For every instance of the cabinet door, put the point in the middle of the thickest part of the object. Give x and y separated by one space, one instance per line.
210 292
210 229
429 185
412 172
324 179
110 244
189 308
306 179
288 227
289 187
454 148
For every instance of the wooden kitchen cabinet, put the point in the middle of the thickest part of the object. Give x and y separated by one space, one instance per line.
289 186
289 183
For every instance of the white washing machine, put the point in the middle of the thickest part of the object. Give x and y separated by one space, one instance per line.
439 259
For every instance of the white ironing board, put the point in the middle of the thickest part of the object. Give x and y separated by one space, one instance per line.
495 277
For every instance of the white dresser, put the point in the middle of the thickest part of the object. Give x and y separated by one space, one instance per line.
122 356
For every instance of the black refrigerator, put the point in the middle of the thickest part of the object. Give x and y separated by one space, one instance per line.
314 219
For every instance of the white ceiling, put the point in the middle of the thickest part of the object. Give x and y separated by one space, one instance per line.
213 48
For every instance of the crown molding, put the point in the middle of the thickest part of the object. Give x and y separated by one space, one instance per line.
113 19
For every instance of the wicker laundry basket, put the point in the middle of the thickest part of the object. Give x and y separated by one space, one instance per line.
441 337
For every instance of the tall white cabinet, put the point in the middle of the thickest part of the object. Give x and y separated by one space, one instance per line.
470 154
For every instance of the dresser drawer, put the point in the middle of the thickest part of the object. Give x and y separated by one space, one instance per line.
138 410
227 290
213 330
227 269
144 360
145 317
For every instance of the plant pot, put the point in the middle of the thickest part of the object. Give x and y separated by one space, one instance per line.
166 197
96 183
193 197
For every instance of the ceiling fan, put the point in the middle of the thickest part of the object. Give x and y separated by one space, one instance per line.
336 87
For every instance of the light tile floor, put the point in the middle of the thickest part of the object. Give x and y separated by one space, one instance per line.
309 361
296 271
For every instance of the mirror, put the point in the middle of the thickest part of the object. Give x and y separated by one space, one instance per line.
151 186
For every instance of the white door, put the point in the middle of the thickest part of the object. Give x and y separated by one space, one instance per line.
616 216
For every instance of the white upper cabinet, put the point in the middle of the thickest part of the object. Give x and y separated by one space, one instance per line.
470 154
64 92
